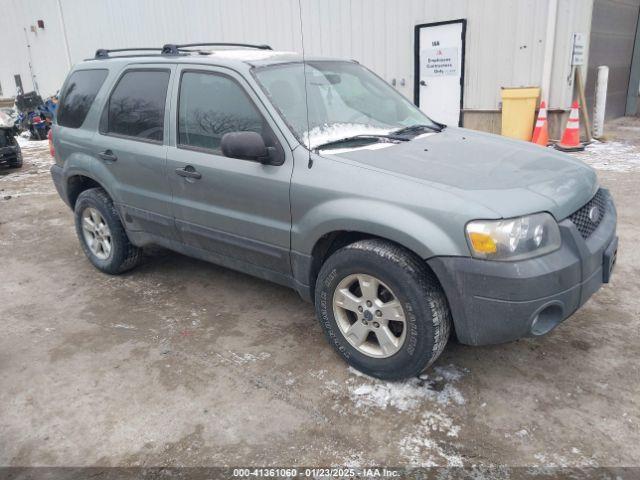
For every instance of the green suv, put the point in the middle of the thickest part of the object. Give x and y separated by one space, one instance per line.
318 175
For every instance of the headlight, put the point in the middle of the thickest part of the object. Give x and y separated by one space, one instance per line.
513 238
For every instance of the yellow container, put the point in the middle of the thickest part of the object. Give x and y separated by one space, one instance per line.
518 111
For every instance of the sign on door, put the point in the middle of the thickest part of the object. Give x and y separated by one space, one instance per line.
439 70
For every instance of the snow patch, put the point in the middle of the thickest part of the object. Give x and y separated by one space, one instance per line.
611 156
25 142
374 146
408 394
421 451
244 358
336 131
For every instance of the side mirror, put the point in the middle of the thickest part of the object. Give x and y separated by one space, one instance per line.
246 146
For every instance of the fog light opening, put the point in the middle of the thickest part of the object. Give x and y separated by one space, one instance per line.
546 319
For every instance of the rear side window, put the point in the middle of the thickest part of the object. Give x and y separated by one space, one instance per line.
212 105
77 98
136 106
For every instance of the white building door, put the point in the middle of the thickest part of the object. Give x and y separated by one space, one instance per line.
439 70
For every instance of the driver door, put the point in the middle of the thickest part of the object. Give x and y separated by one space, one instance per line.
232 211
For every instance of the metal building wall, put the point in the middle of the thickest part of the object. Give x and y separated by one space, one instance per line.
613 32
505 38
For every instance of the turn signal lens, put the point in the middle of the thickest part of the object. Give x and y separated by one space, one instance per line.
482 242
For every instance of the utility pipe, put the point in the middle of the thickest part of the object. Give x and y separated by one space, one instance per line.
549 45
64 34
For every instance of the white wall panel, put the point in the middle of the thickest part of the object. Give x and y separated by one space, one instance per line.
505 38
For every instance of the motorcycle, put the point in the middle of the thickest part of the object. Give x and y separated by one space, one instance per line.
32 115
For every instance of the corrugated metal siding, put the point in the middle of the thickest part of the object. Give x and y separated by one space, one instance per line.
613 31
505 38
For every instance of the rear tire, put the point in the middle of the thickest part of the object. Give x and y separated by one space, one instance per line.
395 290
101 234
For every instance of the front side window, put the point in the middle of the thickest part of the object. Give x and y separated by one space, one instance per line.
343 99
212 105
78 96
136 106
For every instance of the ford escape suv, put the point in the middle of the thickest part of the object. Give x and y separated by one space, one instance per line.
319 176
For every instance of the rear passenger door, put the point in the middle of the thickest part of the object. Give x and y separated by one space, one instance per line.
131 147
237 211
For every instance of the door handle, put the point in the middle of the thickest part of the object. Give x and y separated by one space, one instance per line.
423 83
188 172
107 156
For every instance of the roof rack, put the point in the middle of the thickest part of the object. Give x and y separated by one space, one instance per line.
104 53
173 49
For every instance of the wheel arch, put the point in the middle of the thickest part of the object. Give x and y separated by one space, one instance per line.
307 267
77 182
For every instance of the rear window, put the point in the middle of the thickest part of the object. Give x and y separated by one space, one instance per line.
136 106
78 96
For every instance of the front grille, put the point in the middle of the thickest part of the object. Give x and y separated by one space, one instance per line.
582 219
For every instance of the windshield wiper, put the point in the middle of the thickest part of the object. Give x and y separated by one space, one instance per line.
371 136
438 127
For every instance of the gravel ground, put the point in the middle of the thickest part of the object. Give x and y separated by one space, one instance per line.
183 363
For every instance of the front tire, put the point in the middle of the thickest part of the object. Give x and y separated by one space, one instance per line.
101 234
382 309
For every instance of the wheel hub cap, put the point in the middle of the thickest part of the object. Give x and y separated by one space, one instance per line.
96 233
369 315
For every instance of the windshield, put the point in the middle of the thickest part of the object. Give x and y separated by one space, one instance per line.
344 99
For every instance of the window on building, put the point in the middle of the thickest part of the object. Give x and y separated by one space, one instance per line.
78 96
212 105
136 106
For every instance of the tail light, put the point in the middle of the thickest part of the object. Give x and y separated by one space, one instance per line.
52 150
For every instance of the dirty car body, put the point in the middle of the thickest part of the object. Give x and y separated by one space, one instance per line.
518 236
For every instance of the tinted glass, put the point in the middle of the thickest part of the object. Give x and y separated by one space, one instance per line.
78 96
136 106
212 105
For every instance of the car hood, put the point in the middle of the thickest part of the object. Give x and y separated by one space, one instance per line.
509 177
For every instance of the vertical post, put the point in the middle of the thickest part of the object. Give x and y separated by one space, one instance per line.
33 75
600 102
64 34
549 45
583 103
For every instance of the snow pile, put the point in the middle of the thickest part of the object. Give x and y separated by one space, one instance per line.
409 394
612 156
25 142
336 131
424 443
6 121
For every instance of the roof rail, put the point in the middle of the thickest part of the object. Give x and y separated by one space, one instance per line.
174 49
104 53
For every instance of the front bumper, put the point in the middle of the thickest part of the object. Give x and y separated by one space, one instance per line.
494 302
10 156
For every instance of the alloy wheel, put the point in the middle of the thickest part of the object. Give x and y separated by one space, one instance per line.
369 315
96 233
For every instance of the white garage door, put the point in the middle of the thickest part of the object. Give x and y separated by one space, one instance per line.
439 70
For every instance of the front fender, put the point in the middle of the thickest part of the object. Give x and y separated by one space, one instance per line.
378 218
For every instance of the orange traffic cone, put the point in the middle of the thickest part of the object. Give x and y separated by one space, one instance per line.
571 137
541 132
